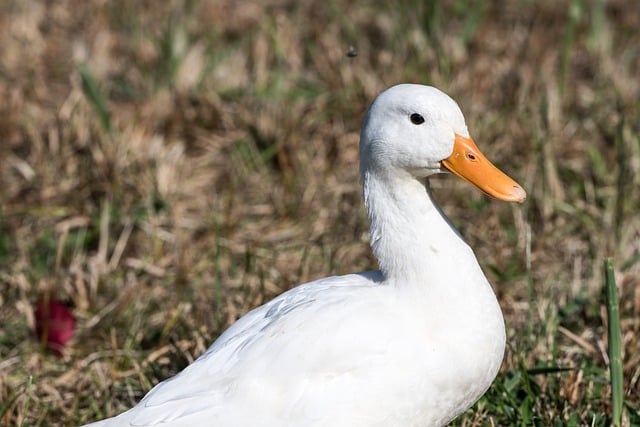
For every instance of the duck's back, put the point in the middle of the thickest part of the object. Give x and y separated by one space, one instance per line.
336 352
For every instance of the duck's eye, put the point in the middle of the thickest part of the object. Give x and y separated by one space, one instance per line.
416 119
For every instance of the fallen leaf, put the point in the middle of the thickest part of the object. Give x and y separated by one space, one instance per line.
55 324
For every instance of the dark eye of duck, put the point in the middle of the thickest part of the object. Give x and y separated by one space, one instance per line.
416 119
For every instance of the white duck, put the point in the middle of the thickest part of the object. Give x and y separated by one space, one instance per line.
414 344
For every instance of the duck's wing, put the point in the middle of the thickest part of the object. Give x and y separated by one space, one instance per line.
263 336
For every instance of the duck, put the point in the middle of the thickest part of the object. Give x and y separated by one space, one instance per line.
414 343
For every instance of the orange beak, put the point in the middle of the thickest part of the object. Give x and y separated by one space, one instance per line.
470 164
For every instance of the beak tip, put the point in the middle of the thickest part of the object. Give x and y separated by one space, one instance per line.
518 194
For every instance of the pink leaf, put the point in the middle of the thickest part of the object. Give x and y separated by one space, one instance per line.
54 324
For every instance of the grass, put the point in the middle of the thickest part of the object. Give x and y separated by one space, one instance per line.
614 347
166 169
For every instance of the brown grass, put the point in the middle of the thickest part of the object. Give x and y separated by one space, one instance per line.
224 171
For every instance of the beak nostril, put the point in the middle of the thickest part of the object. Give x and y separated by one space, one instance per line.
471 157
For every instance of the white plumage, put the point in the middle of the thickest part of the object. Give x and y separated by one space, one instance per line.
414 344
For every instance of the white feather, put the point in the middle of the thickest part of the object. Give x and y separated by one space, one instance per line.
414 344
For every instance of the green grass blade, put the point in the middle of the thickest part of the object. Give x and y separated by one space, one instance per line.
96 97
576 8
28 391
615 350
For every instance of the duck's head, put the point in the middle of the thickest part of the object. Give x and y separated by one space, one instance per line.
419 131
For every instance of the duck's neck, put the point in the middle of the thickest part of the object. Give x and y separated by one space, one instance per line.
410 236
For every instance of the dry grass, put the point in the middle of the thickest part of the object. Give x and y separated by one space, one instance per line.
167 166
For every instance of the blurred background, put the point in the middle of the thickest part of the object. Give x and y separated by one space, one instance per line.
167 166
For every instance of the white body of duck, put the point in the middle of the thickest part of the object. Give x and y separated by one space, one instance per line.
414 344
